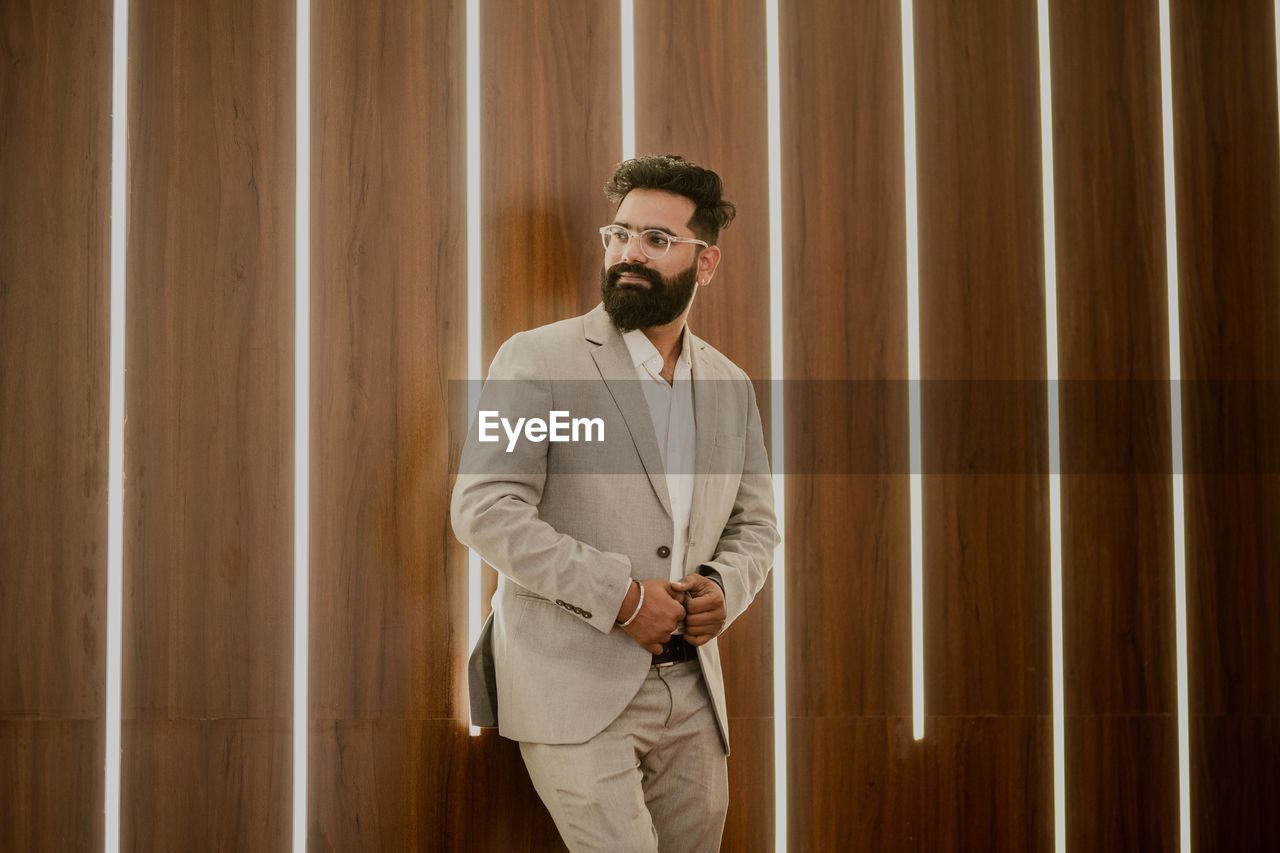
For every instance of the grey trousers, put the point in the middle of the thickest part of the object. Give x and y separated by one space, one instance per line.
656 779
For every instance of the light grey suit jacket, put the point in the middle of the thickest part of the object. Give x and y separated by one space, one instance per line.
568 525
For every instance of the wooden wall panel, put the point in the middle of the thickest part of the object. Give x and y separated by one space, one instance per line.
986 546
55 189
1228 179
209 427
706 100
551 135
1121 740
848 547
388 595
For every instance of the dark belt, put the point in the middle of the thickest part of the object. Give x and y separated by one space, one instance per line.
674 651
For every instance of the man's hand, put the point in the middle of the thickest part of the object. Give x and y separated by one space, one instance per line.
704 606
663 609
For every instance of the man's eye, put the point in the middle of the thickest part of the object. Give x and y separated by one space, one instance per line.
619 237
657 239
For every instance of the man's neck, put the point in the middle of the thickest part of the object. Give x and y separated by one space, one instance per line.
668 339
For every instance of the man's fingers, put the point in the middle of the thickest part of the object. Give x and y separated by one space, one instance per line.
704 604
697 620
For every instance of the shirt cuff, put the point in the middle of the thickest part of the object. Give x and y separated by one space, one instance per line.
708 572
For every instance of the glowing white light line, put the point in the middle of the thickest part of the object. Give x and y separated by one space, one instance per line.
474 367
1055 477
628 79
1175 411
115 417
913 371
302 423
778 422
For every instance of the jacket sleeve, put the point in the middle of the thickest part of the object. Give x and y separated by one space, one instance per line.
494 508
744 554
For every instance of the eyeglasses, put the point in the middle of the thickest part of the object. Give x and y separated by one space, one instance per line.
653 242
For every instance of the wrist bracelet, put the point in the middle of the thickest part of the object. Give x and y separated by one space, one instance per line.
639 604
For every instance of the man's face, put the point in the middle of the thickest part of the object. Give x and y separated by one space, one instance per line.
640 292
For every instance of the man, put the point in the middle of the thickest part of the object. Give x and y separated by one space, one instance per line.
621 562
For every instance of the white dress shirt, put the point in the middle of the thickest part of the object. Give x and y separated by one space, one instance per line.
671 408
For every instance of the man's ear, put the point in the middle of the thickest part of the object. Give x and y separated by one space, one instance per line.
707 263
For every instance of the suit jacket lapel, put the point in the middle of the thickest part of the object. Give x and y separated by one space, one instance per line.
704 414
614 362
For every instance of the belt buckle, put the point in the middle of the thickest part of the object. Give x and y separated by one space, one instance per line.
665 663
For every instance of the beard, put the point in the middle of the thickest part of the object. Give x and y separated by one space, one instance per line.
634 306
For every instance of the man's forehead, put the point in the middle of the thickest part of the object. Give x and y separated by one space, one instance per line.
642 209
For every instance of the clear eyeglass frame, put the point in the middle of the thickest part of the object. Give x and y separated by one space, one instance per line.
654 242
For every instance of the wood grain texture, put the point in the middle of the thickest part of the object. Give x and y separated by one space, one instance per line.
503 812
749 824
1122 782
985 784
982 318
1228 180
1118 604
551 135
388 582
389 305
51 784
218 784
848 547
860 779
392 784
209 427
976 783
848 544
705 100
987 764
55 187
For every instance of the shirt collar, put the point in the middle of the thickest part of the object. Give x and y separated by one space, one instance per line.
643 350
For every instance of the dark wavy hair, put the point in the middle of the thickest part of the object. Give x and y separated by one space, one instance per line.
674 174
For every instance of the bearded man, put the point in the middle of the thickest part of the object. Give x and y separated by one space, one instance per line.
621 562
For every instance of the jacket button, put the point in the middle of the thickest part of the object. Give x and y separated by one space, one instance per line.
587 614
664 552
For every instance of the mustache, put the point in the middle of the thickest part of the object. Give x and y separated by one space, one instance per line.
618 269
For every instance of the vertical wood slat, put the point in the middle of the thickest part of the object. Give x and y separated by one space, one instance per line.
209 427
551 134
987 769
1228 184
388 584
852 777
1121 746
55 189
707 103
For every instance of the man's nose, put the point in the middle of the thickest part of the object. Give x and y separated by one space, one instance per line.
632 253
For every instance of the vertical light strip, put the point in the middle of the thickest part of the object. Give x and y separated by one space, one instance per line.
777 419
301 420
474 368
1175 411
628 54
115 416
1055 443
913 370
